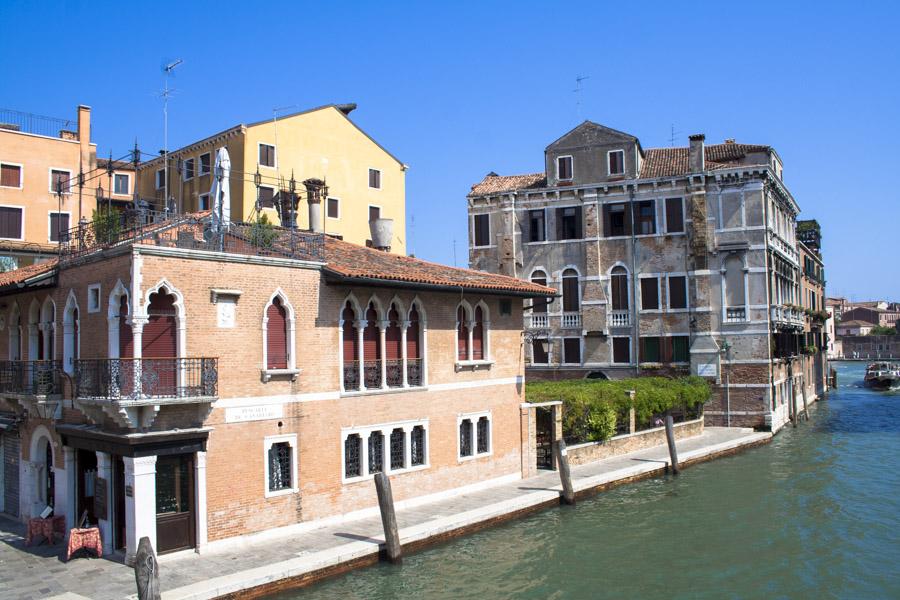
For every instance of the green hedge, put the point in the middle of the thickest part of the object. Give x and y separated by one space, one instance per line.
592 408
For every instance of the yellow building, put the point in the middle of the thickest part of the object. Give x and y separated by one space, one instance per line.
38 156
364 180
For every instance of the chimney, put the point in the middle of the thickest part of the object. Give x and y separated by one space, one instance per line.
696 158
84 125
381 231
314 193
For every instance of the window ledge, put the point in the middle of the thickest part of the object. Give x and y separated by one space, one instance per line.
379 391
473 364
361 478
267 374
463 459
284 492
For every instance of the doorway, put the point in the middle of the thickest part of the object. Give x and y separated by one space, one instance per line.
118 486
175 520
86 470
544 437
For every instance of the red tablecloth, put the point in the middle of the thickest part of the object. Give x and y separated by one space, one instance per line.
45 528
88 537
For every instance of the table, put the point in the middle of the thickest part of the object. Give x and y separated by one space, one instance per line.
88 537
38 527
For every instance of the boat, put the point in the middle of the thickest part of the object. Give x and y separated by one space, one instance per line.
882 376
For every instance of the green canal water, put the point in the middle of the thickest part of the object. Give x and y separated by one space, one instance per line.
814 514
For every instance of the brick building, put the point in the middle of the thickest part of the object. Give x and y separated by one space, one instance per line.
672 260
195 387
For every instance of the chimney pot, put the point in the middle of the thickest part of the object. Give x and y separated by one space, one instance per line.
696 154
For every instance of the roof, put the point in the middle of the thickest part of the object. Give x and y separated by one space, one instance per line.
669 162
349 262
495 184
23 274
120 165
855 323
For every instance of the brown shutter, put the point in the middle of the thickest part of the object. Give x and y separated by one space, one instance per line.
579 232
276 336
10 222
462 335
570 293
478 335
607 225
159 339
629 217
674 215
371 345
10 175
126 344
392 338
412 335
649 293
351 352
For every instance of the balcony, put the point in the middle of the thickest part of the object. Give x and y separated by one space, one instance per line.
571 320
786 249
123 387
36 385
619 318
393 374
788 317
351 375
414 373
537 321
735 314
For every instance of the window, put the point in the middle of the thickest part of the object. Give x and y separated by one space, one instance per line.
266 196
417 446
734 282
568 223
394 448
160 179
570 291
203 202
266 155
650 349
616 162
539 305
333 210
375 179
674 215
276 335
205 163
281 464
376 452
474 435
352 456
371 350
645 222
482 230
10 175
398 449
564 168
619 288
680 348
621 350
462 335
539 356
649 293
121 184
537 232
93 296
678 292
617 220
11 223
59 181
572 351
374 213
187 172
59 227
478 341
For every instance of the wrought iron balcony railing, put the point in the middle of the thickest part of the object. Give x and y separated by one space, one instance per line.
372 374
414 372
137 379
394 372
31 377
351 375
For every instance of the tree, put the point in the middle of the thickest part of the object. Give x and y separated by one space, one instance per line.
880 330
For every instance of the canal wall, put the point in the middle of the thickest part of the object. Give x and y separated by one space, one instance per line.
580 454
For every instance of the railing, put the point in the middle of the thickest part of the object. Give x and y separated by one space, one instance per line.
619 318
372 374
784 247
31 377
36 124
414 372
538 321
394 372
784 315
189 232
571 320
735 314
132 379
351 375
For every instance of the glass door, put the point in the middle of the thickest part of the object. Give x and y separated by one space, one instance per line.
175 502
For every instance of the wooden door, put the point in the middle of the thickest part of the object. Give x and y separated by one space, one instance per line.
175 519
159 342
118 487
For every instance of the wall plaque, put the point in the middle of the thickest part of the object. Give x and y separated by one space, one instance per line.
708 370
254 413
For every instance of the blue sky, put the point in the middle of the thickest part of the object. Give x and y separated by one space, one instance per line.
456 91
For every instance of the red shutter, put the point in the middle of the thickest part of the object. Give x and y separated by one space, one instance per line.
351 352
412 335
478 335
159 341
276 336
392 348
126 344
371 345
462 336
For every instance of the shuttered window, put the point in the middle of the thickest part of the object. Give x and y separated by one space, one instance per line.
159 339
478 335
680 348
392 337
10 176
266 196
568 223
59 181
126 346
650 349
412 335
482 230
375 179
650 293
645 217
462 335
621 349
619 288
570 290
351 352
276 336
678 292
266 155
371 345
617 162
674 215
617 219
564 168
572 351
539 305
10 223
59 227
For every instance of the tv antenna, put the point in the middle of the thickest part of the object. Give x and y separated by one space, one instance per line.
275 112
577 91
166 94
673 135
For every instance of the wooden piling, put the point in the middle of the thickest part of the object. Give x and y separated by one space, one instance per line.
388 518
565 475
805 406
146 571
670 438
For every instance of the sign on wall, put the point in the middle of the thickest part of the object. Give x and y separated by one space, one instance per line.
708 370
254 413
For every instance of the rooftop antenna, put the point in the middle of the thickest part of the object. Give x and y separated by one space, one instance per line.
275 112
578 89
167 92
673 135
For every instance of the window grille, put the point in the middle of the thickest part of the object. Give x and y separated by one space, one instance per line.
398 449
465 437
417 445
484 435
352 447
376 452
279 466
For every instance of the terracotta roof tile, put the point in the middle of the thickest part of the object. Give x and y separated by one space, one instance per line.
351 261
668 162
25 273
495 184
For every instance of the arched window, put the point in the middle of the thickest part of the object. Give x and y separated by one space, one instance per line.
734 282
46 345
413 348
619 288
570 290
478 341
35 339
126 343
372 349
71 342
462 335
159 346
393 350
539 305
15 334
350 348
277 351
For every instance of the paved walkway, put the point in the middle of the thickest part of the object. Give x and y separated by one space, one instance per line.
38 572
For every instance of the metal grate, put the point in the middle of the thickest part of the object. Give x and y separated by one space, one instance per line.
465 438
279 466
351 375
398 449
394 371
372 374
352 463
414 371
417 445
484 435
376 452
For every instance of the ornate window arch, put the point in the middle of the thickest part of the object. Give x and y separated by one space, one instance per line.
118 317
48 329
279 332
350 333
463 332
415 347
71 333
35 340
734 288
481 331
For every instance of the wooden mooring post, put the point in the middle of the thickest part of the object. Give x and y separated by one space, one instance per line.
670 438
388 518
146 571
805 405
565 475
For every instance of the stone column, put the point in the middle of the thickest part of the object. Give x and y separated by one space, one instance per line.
70 509
140 504
382 344
200 479
469 353
104 471
404 325
361 359
137 342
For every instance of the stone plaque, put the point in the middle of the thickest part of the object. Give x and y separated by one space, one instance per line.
254 413
226 308
100 496
708 370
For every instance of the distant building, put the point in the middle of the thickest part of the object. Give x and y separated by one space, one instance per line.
854 327
868 347
877 316
834 345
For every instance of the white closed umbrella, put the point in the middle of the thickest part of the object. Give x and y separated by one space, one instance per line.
221 191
